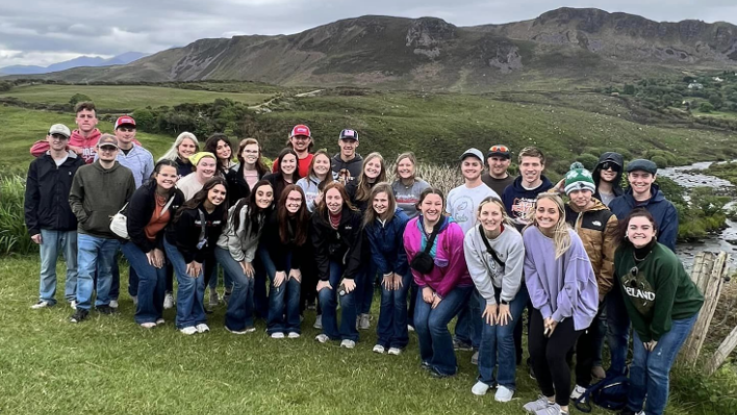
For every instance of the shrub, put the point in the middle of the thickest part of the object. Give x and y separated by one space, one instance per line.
13 233
588 160
706 107
660 161
76 98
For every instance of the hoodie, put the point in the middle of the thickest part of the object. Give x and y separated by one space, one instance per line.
520 201
617 159
242 241
343 245
309 187
88 145
353 166
139 161
664 212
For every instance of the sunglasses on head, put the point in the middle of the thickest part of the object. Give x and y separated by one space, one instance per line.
609 165
499 149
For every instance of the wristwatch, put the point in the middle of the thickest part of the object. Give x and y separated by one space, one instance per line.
505 302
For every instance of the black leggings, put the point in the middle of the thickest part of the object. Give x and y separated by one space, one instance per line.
548 356
585 352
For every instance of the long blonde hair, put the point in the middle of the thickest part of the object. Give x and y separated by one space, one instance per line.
173 152
561 236
364 187
495 200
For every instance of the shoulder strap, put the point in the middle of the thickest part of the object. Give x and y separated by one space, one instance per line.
431 239
488 247
166 206
203 224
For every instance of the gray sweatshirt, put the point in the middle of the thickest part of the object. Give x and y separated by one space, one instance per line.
486 272
408 196
242 242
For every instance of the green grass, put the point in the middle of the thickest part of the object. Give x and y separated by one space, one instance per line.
109 365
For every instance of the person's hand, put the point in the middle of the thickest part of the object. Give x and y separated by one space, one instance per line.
650 346
78 150
154 259
296 274
247 269
349 284
550 325
279 278
324 284
489 314
505 316
398 281
560 186
194 269
436 300
37 239
428 295
160 257
388 281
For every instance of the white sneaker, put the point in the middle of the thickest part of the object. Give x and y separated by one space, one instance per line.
322 338
410 328
480 388
293 335
395 351
168 301
41 304
250 329
318 322
190 330
364 321
348 344
540 403
378 349
235 331
160 321
277 335
113 304
202 327
503 394
73 304
148 325
475 358
577 392
135 299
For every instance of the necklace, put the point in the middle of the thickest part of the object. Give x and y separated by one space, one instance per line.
640 259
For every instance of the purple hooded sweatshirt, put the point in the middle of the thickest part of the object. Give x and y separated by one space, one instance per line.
564 287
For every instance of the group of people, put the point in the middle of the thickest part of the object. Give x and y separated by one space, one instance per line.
321 229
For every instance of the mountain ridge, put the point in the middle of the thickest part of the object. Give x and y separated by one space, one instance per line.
122 59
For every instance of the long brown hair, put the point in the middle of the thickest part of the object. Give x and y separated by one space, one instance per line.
200 197
322 207
364 187
561 237
370 216
301 217
254 211
211 146
260 166
284 152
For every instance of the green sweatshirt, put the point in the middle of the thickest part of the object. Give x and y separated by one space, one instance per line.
658 292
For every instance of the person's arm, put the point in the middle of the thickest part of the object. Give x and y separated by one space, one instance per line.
638 321
76 198
576 267
234 235
400 263
376 255
513 271
137 220
148 167
272 242
30 203
668 232
411 252
538 296
606 271
453 244
39 148
666 284
477 268
320 244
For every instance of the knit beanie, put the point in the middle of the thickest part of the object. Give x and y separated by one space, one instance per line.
195 158
578 178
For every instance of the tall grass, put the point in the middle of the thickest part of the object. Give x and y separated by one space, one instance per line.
13 233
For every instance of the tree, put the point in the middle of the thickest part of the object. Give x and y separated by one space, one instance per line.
716 100
77 98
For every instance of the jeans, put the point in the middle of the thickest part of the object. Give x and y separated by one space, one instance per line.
239 314
133 280
260 297
469 324
227 280
52 243
94 254
431 325
283 301
151 285
650 371
619 331
190 291
328 298
392 326
365 288
497 344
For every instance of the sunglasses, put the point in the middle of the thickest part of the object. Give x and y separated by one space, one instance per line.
499 149
609 165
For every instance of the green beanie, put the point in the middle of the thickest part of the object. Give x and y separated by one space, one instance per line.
578 178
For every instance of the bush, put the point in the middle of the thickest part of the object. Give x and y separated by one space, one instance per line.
13 233
145 120
629 89
77 98
706 107
716 100
588 160
660 161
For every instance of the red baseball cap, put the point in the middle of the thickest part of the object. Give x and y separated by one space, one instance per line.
125 119
301 129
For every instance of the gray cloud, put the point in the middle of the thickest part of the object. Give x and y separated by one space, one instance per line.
45 31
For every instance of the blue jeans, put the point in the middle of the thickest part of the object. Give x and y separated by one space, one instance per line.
469 324
94 254
227 280
151 285
497 345
618 333
431 325
328 298
52 243
239 315
365 288
190 291
650 371
283 302
392 327
260 297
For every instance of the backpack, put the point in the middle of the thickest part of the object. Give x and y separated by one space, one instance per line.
609 393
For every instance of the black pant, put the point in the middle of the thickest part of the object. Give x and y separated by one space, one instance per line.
413 288
548 356
585 351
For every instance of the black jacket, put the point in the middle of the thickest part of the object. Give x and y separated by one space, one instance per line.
140 209
47 190
185 233
353 166
352 188
237 185
342 245
278 183
183 168
278 251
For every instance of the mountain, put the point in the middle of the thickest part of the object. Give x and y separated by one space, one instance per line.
122 59
580 45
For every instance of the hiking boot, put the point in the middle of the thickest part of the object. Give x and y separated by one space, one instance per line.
79 315
41 304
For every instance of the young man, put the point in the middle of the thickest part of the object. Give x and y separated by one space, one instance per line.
83 140
498 158
49 219
99 191
597 227
347 160
462 204
608 177
519 197
301 142
642 193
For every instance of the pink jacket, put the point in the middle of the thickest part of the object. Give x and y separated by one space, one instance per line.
88 145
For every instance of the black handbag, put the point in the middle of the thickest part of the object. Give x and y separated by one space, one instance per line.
423 262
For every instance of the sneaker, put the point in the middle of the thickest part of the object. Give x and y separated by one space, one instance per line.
168 301
277 335
214 300
160 321
394 351
364 321
378 349
202 327
79 315
73 304
425 365
461 346
598 372
348 344
322 338
113 304
475 358
236 331
293 335
135 299
503 394
534 406
148 325
190 330
318 322
40 305
250 329
577 392
410 328
106 309
480 388
553 409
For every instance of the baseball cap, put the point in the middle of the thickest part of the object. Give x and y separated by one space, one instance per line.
125 119
473 152
642 165
300 129
348 135
500 151
60 129
108 140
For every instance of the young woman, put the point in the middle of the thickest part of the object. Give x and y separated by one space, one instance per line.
189 242
150 210
219 145
236 250
250 169
285 174
285 236
663 304
384 226
434 245
318 177
608 177
495 256
337 242
564 296
185 146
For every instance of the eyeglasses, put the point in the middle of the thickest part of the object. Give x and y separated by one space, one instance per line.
59 137
499 149
608 165
127 129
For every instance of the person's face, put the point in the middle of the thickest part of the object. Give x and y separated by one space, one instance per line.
372 169
546 214
167 177
300 143
86 120
581 198
216 195
294 201
491 217
406 168
264 196
333 200
125 133
288 164
250 153
223 151
640 181
531 168
498 165
471 168
381 203
608 174
107 153
322 165
432 207
348 147
206 168
57 142
186 148
640 231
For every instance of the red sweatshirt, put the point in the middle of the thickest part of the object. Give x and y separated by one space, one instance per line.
88 145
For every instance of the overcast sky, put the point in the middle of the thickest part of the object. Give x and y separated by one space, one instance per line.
41 32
